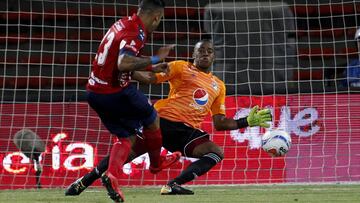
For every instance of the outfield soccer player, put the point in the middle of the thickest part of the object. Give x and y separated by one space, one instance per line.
194 92
121 107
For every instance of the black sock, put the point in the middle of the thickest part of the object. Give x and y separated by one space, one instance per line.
96 173
197 168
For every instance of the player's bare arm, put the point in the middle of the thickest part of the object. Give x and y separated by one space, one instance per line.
128 63
148 77
145 77
222 123
256 117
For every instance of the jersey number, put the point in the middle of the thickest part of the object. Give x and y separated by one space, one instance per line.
102 56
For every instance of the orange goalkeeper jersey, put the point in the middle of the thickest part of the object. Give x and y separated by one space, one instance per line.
193 94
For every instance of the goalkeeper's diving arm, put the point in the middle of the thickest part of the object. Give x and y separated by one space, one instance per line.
255 118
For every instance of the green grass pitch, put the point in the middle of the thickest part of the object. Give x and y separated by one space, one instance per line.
262 193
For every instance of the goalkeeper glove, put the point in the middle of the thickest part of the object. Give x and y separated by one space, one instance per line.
259 118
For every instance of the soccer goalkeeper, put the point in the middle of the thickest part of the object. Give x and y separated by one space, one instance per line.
194 92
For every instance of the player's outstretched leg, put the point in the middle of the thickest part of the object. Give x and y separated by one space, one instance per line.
82 183
166 162
174 189
110 182
153 142
195 169
209 155
118 155
75 188
78 186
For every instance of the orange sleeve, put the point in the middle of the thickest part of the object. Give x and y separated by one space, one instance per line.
175 68
218 107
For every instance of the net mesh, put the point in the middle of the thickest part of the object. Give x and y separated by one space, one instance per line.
291 57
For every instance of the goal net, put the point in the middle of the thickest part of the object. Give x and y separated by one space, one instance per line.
291 57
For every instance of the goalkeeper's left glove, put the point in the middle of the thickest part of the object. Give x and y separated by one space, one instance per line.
259 118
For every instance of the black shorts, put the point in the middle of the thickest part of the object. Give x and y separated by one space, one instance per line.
123 113
180 137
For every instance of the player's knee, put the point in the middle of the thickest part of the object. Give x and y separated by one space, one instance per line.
214 157
221 155
197 150
218 151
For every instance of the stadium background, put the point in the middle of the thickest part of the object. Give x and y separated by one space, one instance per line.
286 56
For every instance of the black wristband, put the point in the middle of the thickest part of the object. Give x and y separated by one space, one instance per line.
242 122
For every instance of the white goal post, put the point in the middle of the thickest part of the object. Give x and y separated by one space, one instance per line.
290 56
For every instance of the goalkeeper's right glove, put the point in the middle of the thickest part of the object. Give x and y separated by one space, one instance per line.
259 118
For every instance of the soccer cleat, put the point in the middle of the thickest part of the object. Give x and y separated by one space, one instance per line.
75 188
111 184
166 162
175 189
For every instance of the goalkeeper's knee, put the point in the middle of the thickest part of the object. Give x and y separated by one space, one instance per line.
215 157
207 162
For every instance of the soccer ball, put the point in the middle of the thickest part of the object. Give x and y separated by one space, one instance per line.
276 142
